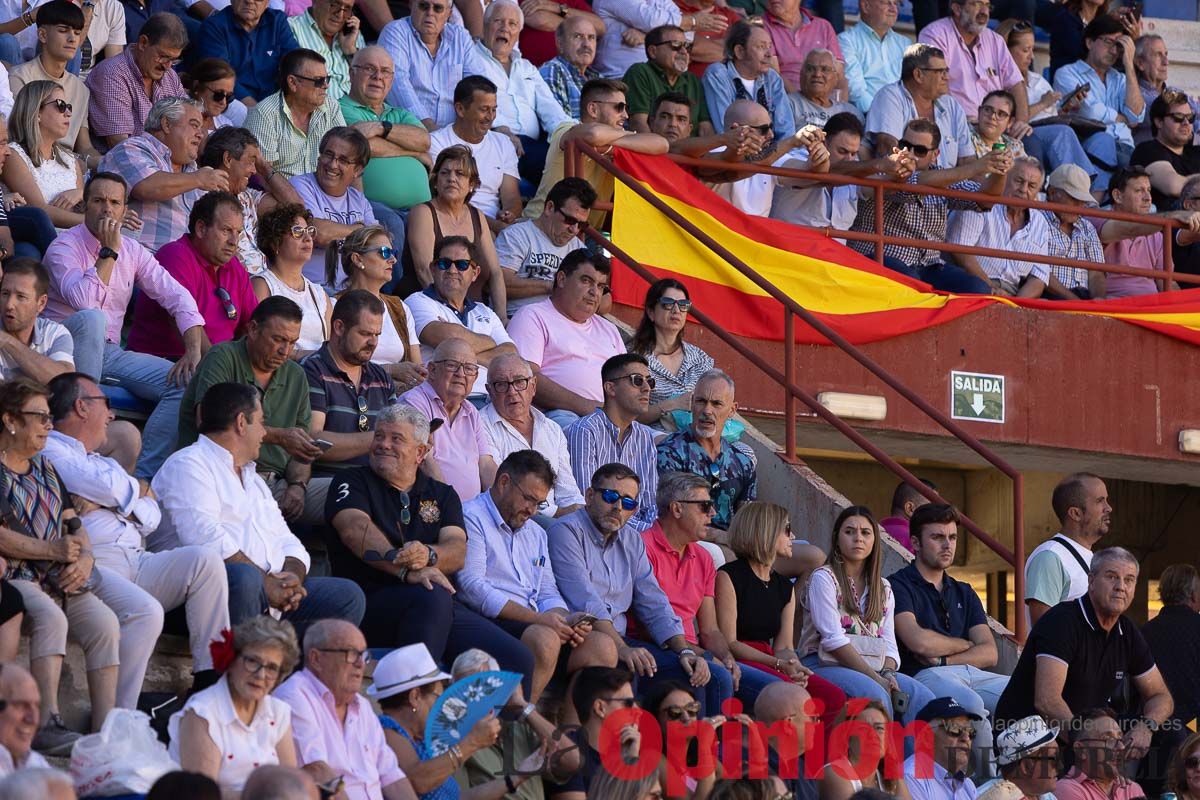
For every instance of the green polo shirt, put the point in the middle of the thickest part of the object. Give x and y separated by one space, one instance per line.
646 81
398 182
285 401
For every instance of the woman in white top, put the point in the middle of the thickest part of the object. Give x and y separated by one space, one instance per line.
285 236
367 258
45 173
849 773
849 636
235 725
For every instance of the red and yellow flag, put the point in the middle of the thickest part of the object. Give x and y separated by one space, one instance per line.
857 297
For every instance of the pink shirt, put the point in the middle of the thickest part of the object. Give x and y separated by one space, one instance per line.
897 528
459 444
569 353
974 71
686 579
75 285
1077 786
153 330
355 750
1145 252
792 46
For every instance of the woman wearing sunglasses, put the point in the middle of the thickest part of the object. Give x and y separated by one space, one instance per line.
211 82
1183 776
45 173
675 364
367 260
286 237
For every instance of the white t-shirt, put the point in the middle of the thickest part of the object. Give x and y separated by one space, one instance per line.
527 251
108 27
352 208
495 157
392 347
480 319
50 339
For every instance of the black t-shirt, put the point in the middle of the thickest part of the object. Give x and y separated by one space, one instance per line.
432 505
1100 666
1185 163
759 606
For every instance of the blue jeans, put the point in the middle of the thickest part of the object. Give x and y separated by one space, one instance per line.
1107 153
856 684
327 598
1055 145
751 685
977 691
945 277
711 695
10 50
32 231
144 376
562 418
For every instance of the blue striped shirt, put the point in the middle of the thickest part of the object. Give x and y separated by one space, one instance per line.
593 442
425 83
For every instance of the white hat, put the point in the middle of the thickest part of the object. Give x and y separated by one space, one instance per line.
1022 738
402 669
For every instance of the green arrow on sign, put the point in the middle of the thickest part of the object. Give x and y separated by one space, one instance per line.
977 396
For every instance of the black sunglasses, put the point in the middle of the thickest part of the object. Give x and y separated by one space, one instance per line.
62 105
320 82
570 221
231 311
101 397
220 96
676 46
363 420
705 505
460 264
919 150
670 303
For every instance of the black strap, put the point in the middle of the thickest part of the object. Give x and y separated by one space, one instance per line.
1065 544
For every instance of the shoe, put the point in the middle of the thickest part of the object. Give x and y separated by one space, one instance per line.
55 738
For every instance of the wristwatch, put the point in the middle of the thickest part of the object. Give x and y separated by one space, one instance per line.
562 10
108 252
387 128
433 556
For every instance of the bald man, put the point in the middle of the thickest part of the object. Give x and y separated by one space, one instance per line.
18 720
787 702
277 782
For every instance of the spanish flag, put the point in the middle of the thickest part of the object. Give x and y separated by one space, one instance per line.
856 296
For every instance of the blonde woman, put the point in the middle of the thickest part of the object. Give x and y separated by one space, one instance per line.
45 173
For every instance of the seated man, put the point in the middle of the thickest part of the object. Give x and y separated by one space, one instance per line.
1170 158
944 776
433 55
811 103
345 388
93 270
597 693
613 434
1099 760
531 251
512 423
262 358
873 51
252 39
1071 235
665 70
236 517
30 344
160 167
337 735
1187 244
566 340
747 74
700 449
905 502
400 536
508 575
125 87
1153 65
794 33
920 94
121 511
498 195
462 453
627 24
329 193
19 721
330 28
601 567
1027 755
291 123
789 703
568 71
205 262
941 628
443 311
1014 229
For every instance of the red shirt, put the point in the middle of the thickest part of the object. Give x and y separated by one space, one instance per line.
731 16
686 579
539 46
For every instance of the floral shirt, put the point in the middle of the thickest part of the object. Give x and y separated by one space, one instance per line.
731 474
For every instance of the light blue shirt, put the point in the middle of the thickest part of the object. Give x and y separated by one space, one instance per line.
594 441
425 83
524 103
871 62
893 108
503 565
720 91
609 579
1105 100
613 56
942 786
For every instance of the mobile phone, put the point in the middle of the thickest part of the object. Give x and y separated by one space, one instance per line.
324 444
1076 93
347 29
586 619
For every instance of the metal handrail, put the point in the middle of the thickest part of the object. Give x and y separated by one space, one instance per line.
575 150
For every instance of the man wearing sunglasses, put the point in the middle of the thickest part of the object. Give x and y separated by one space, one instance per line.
601 567
253 39
330 28
1170 158
947 777
668 53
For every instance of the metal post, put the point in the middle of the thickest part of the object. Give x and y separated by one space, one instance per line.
1168 257
1018 558
789 374
879 224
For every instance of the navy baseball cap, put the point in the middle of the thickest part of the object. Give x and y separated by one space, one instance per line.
945 708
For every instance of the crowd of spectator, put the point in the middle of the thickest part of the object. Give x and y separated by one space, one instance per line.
330 253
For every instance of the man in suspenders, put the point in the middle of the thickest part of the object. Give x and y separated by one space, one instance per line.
1057 569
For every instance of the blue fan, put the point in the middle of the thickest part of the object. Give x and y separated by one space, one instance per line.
463 704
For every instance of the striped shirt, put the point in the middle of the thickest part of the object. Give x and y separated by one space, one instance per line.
118 103
331 392
425 83
566 82
593 442
911 216
141 157
1083 244
283 145
669 384
305 29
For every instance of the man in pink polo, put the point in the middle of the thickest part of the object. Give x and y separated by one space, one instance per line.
794 32
462 451
205 262
567 341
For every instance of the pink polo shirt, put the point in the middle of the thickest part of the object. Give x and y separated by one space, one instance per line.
792 45
686 579
974 71
1077 786
1144 252
567 352
458 444
153 329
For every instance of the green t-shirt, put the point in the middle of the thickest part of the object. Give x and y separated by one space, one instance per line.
285 401
646 81
401 182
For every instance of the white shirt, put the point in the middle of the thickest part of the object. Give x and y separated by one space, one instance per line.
477 318
32 761
991 229
206 503
495 157
393 347
823 622
752 194
50 339
524 103
124 517
941 786
548 439
614 57
526 250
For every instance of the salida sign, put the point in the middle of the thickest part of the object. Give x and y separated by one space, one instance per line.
977 396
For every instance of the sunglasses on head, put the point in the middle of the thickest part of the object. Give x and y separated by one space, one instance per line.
919 150
460 264
611 496
231 311
62 105
221 96
670 304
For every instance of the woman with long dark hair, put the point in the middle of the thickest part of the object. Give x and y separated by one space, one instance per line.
675 364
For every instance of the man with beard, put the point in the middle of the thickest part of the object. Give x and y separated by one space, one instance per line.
1170 158
30 344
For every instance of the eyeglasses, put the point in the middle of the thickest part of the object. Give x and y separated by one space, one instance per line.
938 70
677 713
458 367
62 105
675 46
352 656
341 11
42 417
919 150
1192 762
705 505
619 105
94 397
460 264
611 496
1182 119
670 304
319 82
958 733
300 231
637 379
626 702
1021 25
436 8
570 221
375 71
501 387
364 421
231 311
341 161
994 112
1110 743
785 796
220 96
386 251
167 60
1109 41
257 665
542 505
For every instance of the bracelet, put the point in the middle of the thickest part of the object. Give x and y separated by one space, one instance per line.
529 709
302 484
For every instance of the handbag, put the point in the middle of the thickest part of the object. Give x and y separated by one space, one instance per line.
873 649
